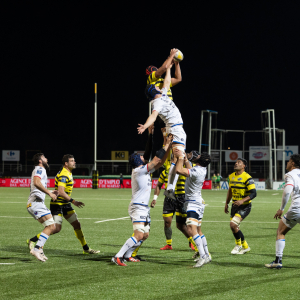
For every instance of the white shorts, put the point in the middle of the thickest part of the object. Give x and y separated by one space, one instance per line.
179 135
292 217
196 207
38 210
139 213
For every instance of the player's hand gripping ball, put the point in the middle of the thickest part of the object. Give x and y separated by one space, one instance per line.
178 56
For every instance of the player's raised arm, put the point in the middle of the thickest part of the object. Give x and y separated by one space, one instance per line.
151 119
161 155
177 78
166 64
179 164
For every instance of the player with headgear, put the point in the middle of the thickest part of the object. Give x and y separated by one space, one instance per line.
139 210
154 74
166 109
194 203
242 191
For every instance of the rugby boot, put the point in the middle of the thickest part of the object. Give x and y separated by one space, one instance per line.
236 249
167 247
132 259
244 250
38 253
30 244
200 263
196 256
274 265
139 258
118 261
91 251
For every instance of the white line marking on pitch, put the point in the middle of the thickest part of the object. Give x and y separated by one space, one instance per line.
112 219
7 263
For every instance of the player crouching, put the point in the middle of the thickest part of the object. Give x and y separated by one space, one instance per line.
138 209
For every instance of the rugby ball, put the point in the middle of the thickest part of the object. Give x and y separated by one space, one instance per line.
178 56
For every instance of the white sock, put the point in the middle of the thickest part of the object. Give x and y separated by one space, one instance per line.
130 251
204 242
42 240
128 244
199 244
279 248
172 178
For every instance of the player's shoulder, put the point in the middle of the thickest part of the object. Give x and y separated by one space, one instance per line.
64 173
246 175
232 175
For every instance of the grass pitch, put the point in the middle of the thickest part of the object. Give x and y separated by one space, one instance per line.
68 274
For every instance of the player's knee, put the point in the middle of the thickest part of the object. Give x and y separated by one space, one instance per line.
146 235
73 220
167 224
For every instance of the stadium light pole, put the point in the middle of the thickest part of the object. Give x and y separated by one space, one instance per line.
95 137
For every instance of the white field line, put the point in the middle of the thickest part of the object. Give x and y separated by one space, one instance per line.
112 220
7 263
124 219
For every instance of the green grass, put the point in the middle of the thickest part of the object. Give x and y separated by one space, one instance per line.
68 274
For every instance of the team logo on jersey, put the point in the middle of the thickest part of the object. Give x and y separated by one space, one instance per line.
233 178
35 212
240 178
182 140
39 172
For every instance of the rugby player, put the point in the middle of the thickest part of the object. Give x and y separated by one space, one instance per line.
242 191
165 108
194 203
171 207
62 206
36 204
292 217
138 209
154 74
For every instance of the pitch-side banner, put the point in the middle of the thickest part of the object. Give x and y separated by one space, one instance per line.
259 185
232 155
259 153
289 150
83 183
11 155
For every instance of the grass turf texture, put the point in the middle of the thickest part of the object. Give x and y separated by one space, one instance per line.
68 274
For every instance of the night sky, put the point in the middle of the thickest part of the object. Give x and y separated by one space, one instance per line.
240 58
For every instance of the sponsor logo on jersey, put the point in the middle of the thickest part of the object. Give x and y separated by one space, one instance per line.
251 181
240 178
39 172
35 212
63 179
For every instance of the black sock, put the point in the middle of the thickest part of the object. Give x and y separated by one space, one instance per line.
86 247
278 260
34 239
237 235
242 236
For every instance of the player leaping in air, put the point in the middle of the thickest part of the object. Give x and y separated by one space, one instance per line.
165 108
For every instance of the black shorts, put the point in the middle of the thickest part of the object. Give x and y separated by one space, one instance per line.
243 210
180 210
169 207
61 210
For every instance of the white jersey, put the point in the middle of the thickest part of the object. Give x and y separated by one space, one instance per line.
141 185
167 110
194 183
293 178
41 173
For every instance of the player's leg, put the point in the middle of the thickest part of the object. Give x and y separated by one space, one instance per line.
146 235
285 225
71 216
168 213
128 256
192 225
204 241
41 213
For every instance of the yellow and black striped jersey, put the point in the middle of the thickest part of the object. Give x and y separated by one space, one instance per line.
180 185
240 186
63 178
159 82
